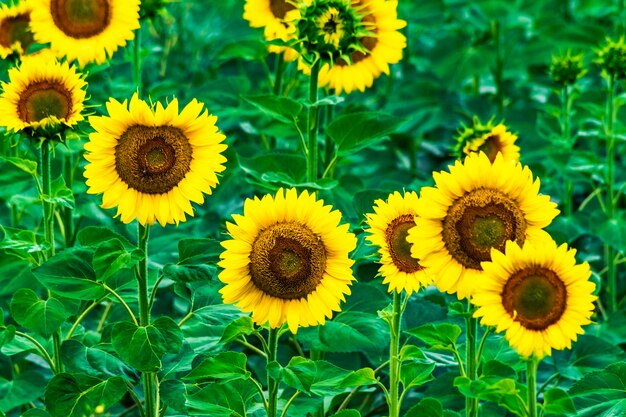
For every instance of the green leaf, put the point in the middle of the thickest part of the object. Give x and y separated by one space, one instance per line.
77 395
36 412
292 166
198 251
15 273
94 236
230 398
42 317
347 413
558 402
111 256
355 131
91 360
502 391
60 194
601 393
22 241
439 335
283 109
241 326
143 347
70 274
354 331
26 387
427 407
226 365
7 333
416 372
205 328
25 165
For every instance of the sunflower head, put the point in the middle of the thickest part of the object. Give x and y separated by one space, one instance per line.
567 69
537 294
488 138
475 207
15 34
388 229
84 30
277 18
152 162
612 58
42 94
287 261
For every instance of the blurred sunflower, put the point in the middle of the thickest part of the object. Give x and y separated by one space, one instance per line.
388 229
85 30
42 93
277 18
287 260
487 138
537 294
475 207
15 34
151 163
380 46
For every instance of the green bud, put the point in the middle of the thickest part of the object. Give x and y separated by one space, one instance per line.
567 69
612 58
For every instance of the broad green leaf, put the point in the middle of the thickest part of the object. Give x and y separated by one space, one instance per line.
601 393
189 273
283 109
70 274
427 407
26 386
25 165
94 236
232 398
241 326
22 241
92 361
354 331
61 194
143 347
78 395
206 326
15 273
355 131
502 391
438 335
36 412
558 402
291 165
111 256
42 317
196 251
416 372
7 333
226 365
347 413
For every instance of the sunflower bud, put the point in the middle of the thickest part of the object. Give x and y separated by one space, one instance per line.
488 138
567 69
612 58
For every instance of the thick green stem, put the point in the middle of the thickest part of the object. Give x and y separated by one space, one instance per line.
394 358
609 252
531 380
272 384
278 74
313 125
471 329
48 207
567 139
68 223
137 62
329 145
148 378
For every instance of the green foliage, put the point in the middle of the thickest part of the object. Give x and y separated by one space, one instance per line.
76 395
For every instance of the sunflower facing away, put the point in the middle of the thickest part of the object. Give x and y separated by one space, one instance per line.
388 229
276 17
381 46
475 207
287 260
537 294
85 30
488 139
152 163
42 93
15 34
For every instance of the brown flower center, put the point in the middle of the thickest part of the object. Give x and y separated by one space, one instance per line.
287 261
491 147
44 99
479 221
536 297
153 160
280 8
81 18
16 29
399 248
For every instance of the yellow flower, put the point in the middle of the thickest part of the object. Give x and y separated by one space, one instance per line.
152 163
85 30
42 93
537 294
497 140
475 207
380 46
287 261
277 18
388 229
15 34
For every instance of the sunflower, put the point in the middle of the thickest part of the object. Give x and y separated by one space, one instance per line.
287 260
15 34
151 163
85 30
537 294
488 139
380 46
276 17
475 207
388 229
42 93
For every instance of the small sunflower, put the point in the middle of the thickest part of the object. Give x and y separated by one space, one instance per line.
42 93
287 260
537 294
389 226
151 163
276 17
15 34
381 45
85 30
487 138
475 207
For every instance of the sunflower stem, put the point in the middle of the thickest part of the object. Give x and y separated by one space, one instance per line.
394 357
312 124
68 224
48 207
471 329
278 74
137 62
272 384
610 201
565 127
149 379
531 380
